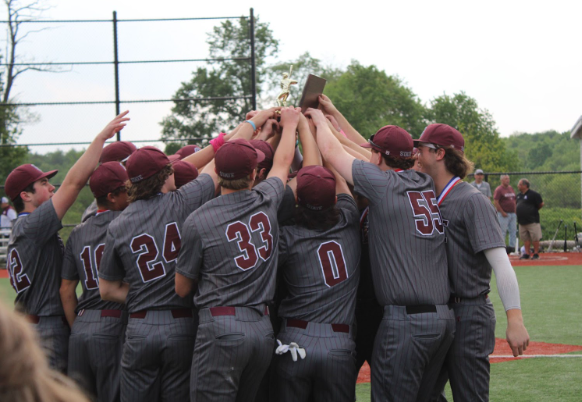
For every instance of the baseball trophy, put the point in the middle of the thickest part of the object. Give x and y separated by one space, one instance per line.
286 83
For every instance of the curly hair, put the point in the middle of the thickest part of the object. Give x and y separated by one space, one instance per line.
149 187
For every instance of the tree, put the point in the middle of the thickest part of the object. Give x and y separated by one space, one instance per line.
302 67
229 76
370 99
10 116
483 145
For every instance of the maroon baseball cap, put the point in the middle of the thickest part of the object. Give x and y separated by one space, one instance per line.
393 141
315 187
145 162
22 177
117 151
188 150
108 177
184 172
267 149
443 135
237 159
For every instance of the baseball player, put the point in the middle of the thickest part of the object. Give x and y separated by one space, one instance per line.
117 151
319 257
97 326
475 245
35 250
184 172
408 259
137 269
230 250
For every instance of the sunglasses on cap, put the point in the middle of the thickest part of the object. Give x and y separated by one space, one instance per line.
429 145
375 146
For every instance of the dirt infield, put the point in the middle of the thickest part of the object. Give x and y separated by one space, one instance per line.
549 259
502 349
3 273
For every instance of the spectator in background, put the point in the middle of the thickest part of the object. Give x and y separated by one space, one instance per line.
8 214
481 185
504 199
528 216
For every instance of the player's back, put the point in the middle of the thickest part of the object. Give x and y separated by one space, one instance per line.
146 240
82 259
239 237
34 261
407 237
321 268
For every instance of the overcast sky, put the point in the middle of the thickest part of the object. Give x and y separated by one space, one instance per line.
519 59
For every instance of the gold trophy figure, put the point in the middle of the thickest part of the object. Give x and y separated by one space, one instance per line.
286 83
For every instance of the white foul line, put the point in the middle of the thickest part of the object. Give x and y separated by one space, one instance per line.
528 356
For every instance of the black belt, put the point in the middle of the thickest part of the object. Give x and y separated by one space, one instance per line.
421 308
176 313
456 299
292 322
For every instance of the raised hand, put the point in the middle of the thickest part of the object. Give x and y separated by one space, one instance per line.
290 116
317 116
327 105
262 116
114 126
268 129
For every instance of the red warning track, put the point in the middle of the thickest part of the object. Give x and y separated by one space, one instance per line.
549 259
502 349
3 273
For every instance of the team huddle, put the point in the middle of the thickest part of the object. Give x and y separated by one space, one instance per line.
255 269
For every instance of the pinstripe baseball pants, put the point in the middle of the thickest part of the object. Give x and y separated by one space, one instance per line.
95 353
467 362
409 352
326 373
156 357
231 355
53 333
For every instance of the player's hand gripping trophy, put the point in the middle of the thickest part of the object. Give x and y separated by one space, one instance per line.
286 83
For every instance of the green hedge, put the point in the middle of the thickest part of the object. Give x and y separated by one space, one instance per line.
550 218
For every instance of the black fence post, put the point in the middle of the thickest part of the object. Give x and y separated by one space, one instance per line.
116 66
253 62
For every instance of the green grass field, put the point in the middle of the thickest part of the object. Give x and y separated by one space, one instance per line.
551 298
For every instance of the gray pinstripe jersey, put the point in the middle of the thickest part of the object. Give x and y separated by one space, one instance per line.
34 261
472 227
321 268
231 246
406 235
287 207
142 245
82 260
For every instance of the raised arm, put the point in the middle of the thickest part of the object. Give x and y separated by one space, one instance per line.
330 148
285 150
311 155
348 143
351 133
77 177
